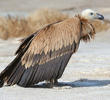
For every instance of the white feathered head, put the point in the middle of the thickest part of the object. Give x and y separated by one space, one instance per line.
90 15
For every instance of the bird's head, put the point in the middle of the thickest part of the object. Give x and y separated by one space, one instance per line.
88 30
91 15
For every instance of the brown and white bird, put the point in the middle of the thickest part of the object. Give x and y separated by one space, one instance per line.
44 55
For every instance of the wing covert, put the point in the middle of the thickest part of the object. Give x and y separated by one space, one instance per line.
52 42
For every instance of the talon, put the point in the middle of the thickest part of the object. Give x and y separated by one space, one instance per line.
55 82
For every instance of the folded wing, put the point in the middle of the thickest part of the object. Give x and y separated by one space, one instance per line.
44 55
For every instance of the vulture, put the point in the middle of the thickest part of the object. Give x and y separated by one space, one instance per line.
43 55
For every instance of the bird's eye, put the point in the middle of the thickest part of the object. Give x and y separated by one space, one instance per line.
91 13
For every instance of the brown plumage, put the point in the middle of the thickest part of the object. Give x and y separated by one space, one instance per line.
45 54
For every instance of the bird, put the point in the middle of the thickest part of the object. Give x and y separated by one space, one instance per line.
44 55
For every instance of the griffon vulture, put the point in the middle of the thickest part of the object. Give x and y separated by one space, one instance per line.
44 55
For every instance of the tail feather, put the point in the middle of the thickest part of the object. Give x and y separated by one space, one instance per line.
13 72
5 74
1 82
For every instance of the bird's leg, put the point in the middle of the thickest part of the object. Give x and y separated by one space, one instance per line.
55 81
50 83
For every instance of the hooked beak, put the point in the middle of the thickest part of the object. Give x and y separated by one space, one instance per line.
100 17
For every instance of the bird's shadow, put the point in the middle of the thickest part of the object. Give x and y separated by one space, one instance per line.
77 83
